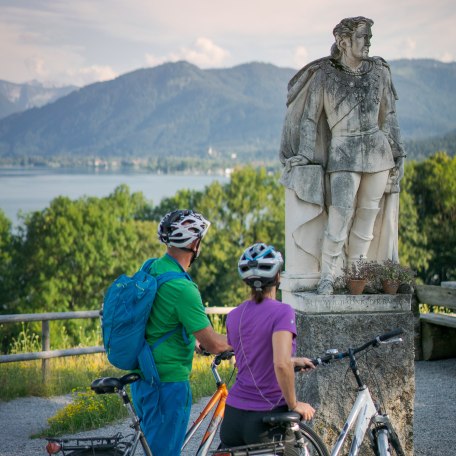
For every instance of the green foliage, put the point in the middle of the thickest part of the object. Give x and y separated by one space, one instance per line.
26 342
64 257
248 209
6 257
433 191
71 250
65 374
412 239
87 411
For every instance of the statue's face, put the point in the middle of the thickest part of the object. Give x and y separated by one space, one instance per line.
360 42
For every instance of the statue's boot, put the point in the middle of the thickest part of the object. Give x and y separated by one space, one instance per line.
361 233
333 243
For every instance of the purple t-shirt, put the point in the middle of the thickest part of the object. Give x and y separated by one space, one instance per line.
249 328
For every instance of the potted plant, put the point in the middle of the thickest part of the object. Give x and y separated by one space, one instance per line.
357 275
391 274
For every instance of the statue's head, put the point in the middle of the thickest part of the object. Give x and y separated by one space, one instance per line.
345 29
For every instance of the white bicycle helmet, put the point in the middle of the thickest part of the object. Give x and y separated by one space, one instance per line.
181 227
259 265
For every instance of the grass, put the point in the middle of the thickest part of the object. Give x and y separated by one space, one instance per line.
74 374
65 375
89 411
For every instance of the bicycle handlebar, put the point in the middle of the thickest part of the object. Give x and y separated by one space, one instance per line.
372 343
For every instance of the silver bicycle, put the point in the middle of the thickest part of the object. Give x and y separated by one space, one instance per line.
366 416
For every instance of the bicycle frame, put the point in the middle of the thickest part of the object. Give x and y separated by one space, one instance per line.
217 400
362 413
365 415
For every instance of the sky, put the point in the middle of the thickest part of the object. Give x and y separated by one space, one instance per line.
78 42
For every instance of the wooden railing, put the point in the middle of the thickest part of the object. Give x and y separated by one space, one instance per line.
46 352
438 330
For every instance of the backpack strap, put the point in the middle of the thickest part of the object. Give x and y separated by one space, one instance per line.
161 279
147 264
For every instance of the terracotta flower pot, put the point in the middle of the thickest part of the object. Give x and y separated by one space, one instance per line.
390 286
356 286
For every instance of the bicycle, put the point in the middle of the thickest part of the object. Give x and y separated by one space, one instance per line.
365 415
305 437
119 445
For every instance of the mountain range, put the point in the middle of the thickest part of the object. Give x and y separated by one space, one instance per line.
20 97
177 109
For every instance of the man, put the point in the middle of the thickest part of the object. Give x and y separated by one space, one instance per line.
341 117
164 409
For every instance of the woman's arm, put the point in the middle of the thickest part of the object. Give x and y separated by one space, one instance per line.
284 370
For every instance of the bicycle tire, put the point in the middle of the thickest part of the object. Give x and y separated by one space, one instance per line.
314 444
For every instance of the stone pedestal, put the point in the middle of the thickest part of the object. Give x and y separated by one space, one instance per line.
343 321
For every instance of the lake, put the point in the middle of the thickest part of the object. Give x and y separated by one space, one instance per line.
32 189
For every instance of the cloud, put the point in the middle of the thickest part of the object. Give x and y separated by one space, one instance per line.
447 57
79 76
204 53
87 75
301 56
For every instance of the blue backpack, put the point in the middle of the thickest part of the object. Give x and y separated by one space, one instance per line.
125 312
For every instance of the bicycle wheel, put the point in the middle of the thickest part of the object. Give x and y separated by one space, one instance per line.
313 445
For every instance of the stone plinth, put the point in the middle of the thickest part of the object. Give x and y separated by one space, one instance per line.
343 321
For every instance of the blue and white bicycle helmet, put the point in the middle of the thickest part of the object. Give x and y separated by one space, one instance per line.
259 265
181 227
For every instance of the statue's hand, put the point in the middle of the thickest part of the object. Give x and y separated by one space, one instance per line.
296 160
395 176
399 169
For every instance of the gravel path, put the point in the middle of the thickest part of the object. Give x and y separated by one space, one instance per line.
434 426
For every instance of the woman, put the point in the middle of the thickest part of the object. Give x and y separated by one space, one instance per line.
262 332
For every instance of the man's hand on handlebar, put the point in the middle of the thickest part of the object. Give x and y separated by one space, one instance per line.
199 349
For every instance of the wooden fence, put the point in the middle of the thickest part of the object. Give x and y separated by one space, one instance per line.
46 352
438 330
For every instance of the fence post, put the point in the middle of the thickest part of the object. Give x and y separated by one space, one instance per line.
46 344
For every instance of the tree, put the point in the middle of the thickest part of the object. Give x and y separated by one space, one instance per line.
434 192
412 239
248 209
6 259
72 250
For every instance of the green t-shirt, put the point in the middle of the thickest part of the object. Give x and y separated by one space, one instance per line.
177 301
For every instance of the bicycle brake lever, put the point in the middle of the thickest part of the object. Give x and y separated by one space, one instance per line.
396 340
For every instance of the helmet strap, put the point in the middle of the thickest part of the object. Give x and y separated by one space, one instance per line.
194 252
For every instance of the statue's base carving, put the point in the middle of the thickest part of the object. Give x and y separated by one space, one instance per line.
343 321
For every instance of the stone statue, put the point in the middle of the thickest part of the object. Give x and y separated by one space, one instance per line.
343 158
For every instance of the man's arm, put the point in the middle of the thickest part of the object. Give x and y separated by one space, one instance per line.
212 341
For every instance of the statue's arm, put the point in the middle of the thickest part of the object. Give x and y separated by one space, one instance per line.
388 116
390 125
313 108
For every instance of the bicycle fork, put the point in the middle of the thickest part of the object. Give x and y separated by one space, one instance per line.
383 436
218 398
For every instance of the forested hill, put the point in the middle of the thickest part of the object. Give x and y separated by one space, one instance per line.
178 109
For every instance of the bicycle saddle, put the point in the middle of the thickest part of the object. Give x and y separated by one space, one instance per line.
108 385
282 418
